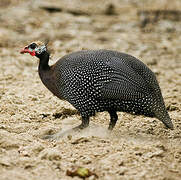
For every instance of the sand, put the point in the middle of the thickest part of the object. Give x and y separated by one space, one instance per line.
138 147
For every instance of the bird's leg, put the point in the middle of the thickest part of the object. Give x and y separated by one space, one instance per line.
84 124
113 120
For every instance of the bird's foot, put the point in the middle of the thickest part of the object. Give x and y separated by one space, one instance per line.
65 133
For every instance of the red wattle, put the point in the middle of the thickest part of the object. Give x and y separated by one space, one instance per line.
32 53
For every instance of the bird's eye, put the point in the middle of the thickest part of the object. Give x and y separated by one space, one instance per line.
33 46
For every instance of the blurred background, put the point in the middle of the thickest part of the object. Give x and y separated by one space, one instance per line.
147 29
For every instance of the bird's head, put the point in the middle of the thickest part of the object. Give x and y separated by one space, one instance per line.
34 48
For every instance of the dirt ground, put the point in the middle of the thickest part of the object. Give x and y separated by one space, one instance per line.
139 147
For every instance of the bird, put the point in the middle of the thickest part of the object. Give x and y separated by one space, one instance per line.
102 80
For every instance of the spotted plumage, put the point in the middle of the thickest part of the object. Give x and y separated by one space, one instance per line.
104 80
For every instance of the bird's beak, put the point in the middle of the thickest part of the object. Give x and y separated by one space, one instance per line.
26 50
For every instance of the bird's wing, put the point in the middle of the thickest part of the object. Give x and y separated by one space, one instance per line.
123 81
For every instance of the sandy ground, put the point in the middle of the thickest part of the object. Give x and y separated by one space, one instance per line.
138 147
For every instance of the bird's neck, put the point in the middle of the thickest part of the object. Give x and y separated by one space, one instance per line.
46 72
44 59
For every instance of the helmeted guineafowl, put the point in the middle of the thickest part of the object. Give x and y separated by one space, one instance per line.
102 80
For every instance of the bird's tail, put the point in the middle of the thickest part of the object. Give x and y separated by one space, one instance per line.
165 118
